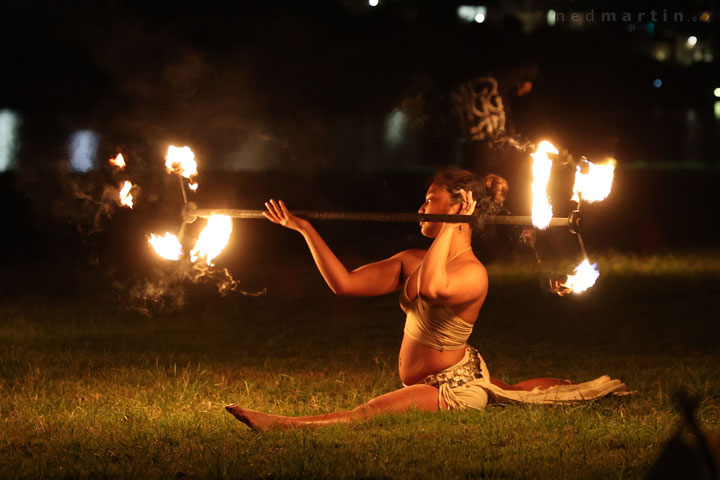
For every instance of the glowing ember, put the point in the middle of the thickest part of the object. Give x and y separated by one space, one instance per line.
182 161
193 186
212 239
167 246
541 209
118 162
595 183
125 198
585 277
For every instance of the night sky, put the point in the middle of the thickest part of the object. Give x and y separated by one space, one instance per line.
356 102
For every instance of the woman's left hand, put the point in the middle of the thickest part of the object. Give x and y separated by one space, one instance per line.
469 204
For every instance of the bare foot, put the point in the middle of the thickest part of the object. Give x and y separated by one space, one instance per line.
258 421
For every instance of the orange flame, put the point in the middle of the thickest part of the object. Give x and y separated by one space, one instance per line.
182 161
126 198
193 186
118 162
167 246
542 165
595 184
212 239
584 277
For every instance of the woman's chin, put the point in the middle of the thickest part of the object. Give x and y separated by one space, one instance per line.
428 230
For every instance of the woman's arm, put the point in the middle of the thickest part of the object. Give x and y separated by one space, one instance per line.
442 288
465 283
376 278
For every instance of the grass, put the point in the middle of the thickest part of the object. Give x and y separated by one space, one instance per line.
89 389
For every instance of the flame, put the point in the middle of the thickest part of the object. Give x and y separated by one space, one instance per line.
541 209
168 247
118 161
212 239
192 186
595 184
125 198
182 161
584 277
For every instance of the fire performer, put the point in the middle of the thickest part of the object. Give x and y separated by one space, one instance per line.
442 290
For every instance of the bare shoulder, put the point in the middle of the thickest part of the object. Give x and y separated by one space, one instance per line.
411 259
472 270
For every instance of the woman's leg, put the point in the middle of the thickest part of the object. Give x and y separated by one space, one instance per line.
543 383
422 397
528 385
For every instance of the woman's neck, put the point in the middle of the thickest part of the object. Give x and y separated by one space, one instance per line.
460 242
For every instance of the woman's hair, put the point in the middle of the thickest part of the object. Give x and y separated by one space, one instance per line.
454 179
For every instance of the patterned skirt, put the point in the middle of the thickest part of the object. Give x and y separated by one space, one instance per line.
467 384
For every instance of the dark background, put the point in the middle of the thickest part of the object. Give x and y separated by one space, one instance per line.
296 100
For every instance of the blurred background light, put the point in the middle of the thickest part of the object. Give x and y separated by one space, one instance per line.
9 124
395 128
83 150
716 92
692 41
472 13
657 83
717 109
551 17
373 3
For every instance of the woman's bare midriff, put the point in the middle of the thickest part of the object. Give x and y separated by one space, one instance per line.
417 361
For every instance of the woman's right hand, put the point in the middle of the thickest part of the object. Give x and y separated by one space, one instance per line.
278 213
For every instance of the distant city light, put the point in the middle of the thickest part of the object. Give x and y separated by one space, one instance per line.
83 150
716 92
650 28
717 109
660 55
9 125
692 40
657 83
705 17
472 13
551 17
373 3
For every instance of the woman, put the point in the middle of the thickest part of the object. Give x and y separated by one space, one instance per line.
442 291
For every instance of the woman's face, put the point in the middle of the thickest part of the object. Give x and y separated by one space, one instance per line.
437 200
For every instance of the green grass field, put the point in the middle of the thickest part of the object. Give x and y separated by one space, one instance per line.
89 389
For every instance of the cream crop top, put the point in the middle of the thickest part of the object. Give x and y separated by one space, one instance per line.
437 327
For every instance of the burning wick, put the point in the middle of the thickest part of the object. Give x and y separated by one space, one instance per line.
118 162
542 165
168 246
212 239
126 198
182 161
584 277
593 183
